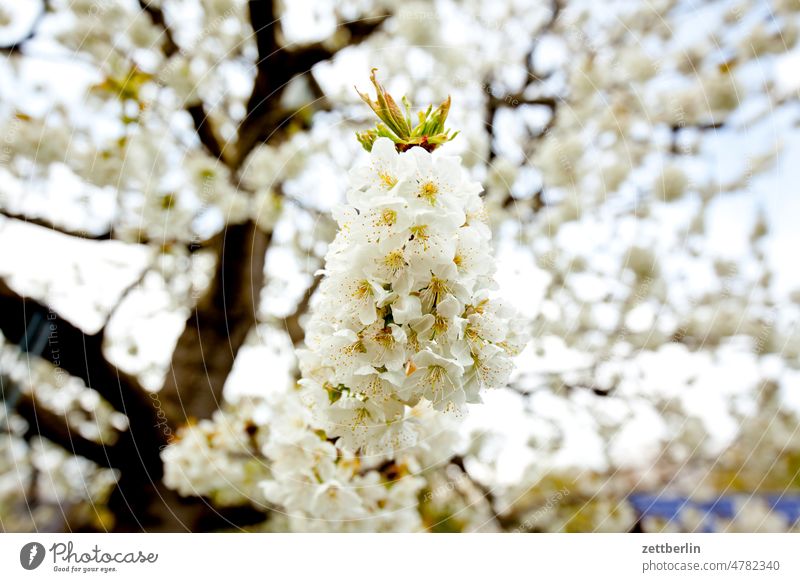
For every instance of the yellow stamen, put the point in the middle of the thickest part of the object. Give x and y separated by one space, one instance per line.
387 218
428 191
433 294
385 338
413 342
395 260
388 180
420 233
479 308
363 291
440 325
435 375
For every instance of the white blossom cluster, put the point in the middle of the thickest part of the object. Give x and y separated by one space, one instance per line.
270 451
405 313
404 333
323 487
218 458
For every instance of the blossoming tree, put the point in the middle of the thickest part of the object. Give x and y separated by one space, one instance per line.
219 312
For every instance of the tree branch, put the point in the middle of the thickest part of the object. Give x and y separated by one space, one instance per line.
487 493
70 349
141 239
277 65
56 428
45 223
217 327
6 291
205 132
14 45
157 16
305 57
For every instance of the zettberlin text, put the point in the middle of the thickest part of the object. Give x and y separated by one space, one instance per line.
671 549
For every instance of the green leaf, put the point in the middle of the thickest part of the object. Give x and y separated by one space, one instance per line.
428 133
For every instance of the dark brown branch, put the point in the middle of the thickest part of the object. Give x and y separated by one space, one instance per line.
263 117
205 132
555 14
132 286
157 16
49 225
56 428
141 239
72 350
14 45
202 124
518 99
80 354
166 511
237 517
512 101
488 494
675 131
305 57
277 65
6 291
217 327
